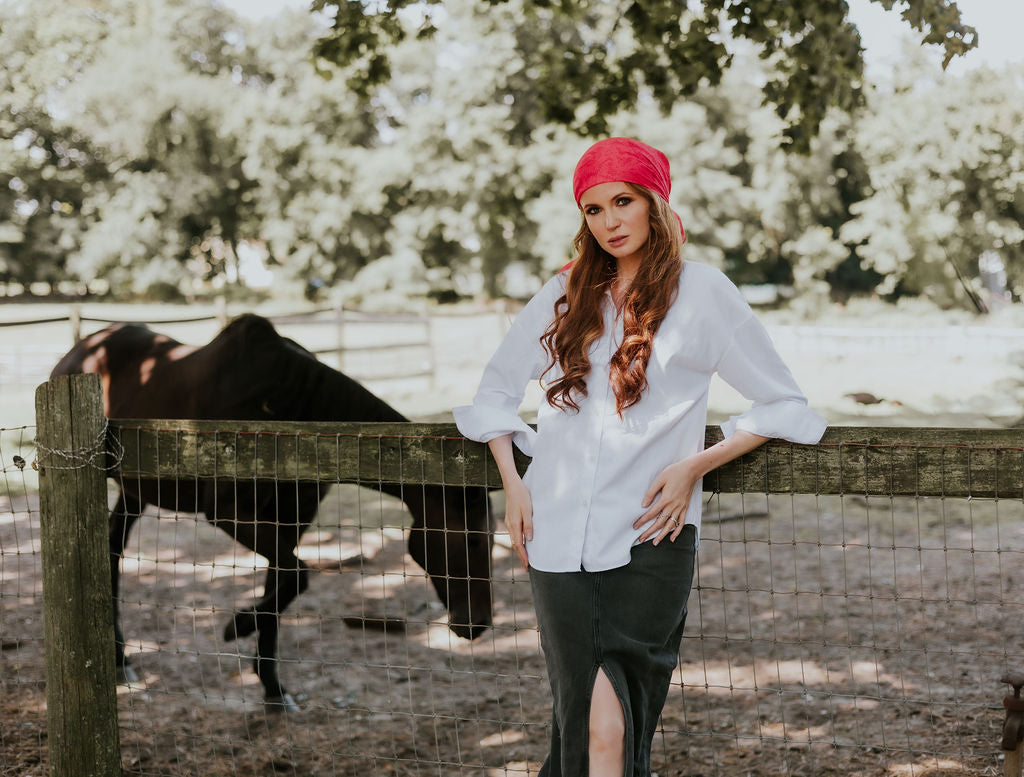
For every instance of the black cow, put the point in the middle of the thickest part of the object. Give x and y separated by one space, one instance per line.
250 372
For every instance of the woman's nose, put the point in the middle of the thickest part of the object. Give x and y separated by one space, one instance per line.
610 219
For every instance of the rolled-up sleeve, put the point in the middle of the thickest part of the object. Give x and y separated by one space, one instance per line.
753 367
519 359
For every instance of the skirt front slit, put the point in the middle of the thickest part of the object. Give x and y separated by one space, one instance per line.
627 621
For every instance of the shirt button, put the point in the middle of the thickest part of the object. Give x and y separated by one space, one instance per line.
585 502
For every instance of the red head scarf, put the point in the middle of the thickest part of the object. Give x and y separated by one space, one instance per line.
624 159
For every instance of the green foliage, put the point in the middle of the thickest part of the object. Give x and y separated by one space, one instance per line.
123 145
595 59
946 158
46 164
173 141
144 141
141 143
322 206
463 158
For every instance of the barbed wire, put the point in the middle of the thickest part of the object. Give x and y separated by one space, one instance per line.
104 444
17 462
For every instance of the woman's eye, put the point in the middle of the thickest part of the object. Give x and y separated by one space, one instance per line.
592 210
623 201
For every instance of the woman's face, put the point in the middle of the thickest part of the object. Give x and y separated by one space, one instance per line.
619 219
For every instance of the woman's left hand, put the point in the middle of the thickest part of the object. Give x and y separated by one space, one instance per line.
667 500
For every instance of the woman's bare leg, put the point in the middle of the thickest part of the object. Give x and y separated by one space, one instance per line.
607 749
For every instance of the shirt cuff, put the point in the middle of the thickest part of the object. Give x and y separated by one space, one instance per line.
786 419
483 423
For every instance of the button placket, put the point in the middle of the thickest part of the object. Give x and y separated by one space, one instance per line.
602 411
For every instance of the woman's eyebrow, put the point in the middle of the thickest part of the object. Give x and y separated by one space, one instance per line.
619 196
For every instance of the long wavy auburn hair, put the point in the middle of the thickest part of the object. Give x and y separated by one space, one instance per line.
578 322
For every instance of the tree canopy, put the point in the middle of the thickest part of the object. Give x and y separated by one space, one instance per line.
946 160
142 144
595 59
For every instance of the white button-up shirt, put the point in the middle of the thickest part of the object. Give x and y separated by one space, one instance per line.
590 469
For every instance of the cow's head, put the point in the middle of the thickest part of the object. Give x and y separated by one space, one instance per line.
451 539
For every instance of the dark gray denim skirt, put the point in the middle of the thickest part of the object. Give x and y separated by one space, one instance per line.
628 621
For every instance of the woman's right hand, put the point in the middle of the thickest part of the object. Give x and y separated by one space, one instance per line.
519 517
518 505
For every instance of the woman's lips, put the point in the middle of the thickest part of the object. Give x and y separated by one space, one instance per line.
617 241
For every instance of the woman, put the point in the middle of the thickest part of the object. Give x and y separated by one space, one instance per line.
625 340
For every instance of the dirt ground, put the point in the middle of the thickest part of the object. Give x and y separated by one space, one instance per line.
827 635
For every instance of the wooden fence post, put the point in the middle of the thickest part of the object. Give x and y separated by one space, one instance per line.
78 627
75 317
222 311
431 350
339 311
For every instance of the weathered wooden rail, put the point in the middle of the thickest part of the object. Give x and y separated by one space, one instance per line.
82 712
848 460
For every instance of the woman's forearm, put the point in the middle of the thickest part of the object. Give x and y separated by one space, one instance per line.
501 449
518 505
724 451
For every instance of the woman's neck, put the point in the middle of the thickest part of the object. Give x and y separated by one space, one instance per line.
625 273
627 267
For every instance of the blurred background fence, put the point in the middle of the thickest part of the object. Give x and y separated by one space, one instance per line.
375 346
427 362
856 604
368 345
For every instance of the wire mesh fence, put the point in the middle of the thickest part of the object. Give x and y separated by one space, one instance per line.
846 634
855 631
22 673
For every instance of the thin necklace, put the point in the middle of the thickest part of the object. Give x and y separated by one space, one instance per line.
619 292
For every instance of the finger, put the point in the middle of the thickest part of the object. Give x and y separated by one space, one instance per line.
513 532
670 528
521 552
666 529
660 522
520 529
652 514
679 528
676 531
656 486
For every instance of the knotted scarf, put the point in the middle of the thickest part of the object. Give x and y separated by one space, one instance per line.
624 159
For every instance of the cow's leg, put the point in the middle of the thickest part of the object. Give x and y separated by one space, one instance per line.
124 515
